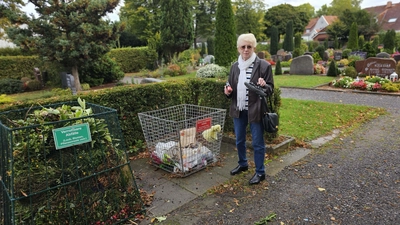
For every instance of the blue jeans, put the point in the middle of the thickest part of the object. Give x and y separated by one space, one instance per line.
257 136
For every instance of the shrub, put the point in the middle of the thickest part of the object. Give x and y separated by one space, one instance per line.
376 79
391 87
350 72
5 99
61 92
286 63
10 86
346 52
316 57
33 85
332 71
278 68
25 79
212 71
344 62
172 70
85 86
319 69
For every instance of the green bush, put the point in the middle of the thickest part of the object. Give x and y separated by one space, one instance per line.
350 72
316 57
332 71
85 86
33 85
286 63
5 99
212 71
104 70
346 53
132 60
278 68
391 87
10 86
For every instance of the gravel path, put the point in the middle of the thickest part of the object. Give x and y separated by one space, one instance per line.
352 181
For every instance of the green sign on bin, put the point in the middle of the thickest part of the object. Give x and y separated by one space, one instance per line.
73 135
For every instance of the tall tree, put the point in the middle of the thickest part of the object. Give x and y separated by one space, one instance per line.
353 37
71 32
389 41
297 40
308 9
176 27
205 11
337 7
7 6
288 41
225 35
142 17
274 41
249 17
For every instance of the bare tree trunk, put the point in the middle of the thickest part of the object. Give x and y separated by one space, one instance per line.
76 78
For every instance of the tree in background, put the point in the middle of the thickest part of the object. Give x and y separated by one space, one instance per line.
225 35
142 18
210 46
297 40
288 41
361 41
308 9
71 33
176 27
5 7
389 41
338 6
205 12
274 41
375 44
280 15
249 17
367 25
353 38
203 49
336 43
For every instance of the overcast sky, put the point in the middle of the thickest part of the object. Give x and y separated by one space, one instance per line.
316 3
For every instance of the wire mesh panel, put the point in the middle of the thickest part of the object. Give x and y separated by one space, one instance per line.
88 182
183 139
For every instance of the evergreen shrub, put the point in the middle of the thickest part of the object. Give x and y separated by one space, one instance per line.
212 71
10 86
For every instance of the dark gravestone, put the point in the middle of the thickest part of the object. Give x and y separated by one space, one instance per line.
383 55
261 55
325 57
288 57
362 55
396 58
308 53
274 58
209 59
38 75
302 65
337 56
379 67
68 81
359 65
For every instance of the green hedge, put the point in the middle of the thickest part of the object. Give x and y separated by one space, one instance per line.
134 59
16 67
129 100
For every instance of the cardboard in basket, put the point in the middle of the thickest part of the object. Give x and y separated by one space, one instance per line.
187 136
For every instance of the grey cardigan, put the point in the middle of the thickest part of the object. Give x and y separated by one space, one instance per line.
261 69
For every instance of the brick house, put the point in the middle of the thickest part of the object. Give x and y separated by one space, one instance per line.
388 15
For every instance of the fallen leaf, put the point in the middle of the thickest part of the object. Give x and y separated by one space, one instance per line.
333 218
231 210
24 194
161 218
319 165
321 189
236 201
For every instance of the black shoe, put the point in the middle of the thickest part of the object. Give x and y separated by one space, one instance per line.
239 169
257 178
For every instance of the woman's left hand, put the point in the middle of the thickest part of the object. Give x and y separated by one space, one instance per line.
261 82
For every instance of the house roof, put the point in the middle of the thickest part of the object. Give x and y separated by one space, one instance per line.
388 15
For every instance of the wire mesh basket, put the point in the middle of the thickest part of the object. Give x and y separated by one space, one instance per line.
183 139
89 182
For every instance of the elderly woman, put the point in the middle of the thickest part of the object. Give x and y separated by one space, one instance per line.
246 105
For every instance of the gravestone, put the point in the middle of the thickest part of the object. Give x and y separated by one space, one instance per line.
209 59
359 65
150 80
38 75
383 55
302 65
288 56
337 56
261 55
362 55
396 58
325 57
281 52
308 53
381 67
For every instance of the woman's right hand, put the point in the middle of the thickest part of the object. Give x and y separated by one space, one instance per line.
227 90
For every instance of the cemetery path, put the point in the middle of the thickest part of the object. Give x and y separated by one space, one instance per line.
355 180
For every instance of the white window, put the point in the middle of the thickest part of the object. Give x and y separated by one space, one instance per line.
392 20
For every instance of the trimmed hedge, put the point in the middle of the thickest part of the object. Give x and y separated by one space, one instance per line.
134 59
129 100
16 67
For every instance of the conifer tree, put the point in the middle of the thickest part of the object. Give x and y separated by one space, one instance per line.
288 41
72 33
274 41
210 46
176 27
278 68
353 37
332 71
297 40
225 34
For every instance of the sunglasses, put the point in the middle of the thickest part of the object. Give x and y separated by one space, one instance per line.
246 46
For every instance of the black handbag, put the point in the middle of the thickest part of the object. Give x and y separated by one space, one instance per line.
270 119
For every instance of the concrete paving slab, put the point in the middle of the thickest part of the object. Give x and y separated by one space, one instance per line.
278 165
